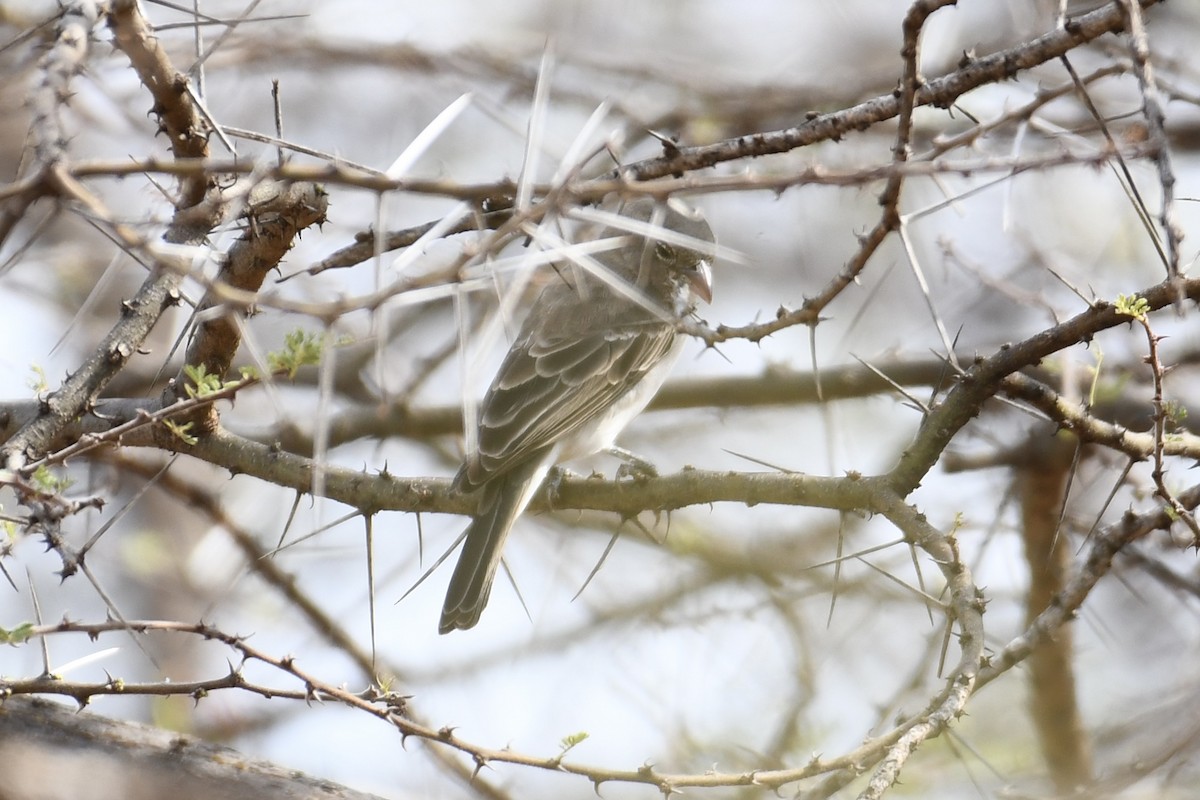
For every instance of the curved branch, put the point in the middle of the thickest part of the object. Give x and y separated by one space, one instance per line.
982 380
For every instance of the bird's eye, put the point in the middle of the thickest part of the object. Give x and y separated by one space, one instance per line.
665 252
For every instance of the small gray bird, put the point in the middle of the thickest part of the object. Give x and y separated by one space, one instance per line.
586 362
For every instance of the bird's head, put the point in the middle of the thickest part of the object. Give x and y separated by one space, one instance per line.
669 254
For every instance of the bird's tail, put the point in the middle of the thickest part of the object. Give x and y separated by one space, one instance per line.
502 502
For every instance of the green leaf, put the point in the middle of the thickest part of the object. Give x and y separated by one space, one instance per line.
201 383
300 348
1133 306
573 739
37 381
46 480
181 431
17 635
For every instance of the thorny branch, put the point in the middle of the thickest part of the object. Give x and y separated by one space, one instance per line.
34 435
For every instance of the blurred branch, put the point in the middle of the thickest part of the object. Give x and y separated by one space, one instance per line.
1105 545
114 418
1152 113
66 754
1042 486
939 92
1112 421
61 62
268 569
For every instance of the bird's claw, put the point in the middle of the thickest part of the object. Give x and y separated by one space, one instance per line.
554 481
633 466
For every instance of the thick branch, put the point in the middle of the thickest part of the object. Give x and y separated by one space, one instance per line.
138 316
67 754
173 105
278 214
372 493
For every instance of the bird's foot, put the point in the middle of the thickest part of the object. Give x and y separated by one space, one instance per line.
554 481
633 466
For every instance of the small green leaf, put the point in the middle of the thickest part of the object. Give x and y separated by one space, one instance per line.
181 431
201 383
47 481
1133 306
37 381
573 739
300 348
10 530
1175 412
17 635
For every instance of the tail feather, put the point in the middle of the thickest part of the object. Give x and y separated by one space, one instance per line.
503 501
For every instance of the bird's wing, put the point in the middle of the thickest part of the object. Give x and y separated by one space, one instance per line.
551 385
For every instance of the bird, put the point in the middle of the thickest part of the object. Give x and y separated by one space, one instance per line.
591 353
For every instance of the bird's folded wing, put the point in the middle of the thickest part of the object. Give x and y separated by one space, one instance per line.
549 387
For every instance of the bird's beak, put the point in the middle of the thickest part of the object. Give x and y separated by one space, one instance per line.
701 280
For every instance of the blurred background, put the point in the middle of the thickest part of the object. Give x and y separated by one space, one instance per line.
714 637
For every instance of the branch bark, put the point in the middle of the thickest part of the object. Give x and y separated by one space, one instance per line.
65 755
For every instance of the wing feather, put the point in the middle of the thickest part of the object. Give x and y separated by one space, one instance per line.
547 389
